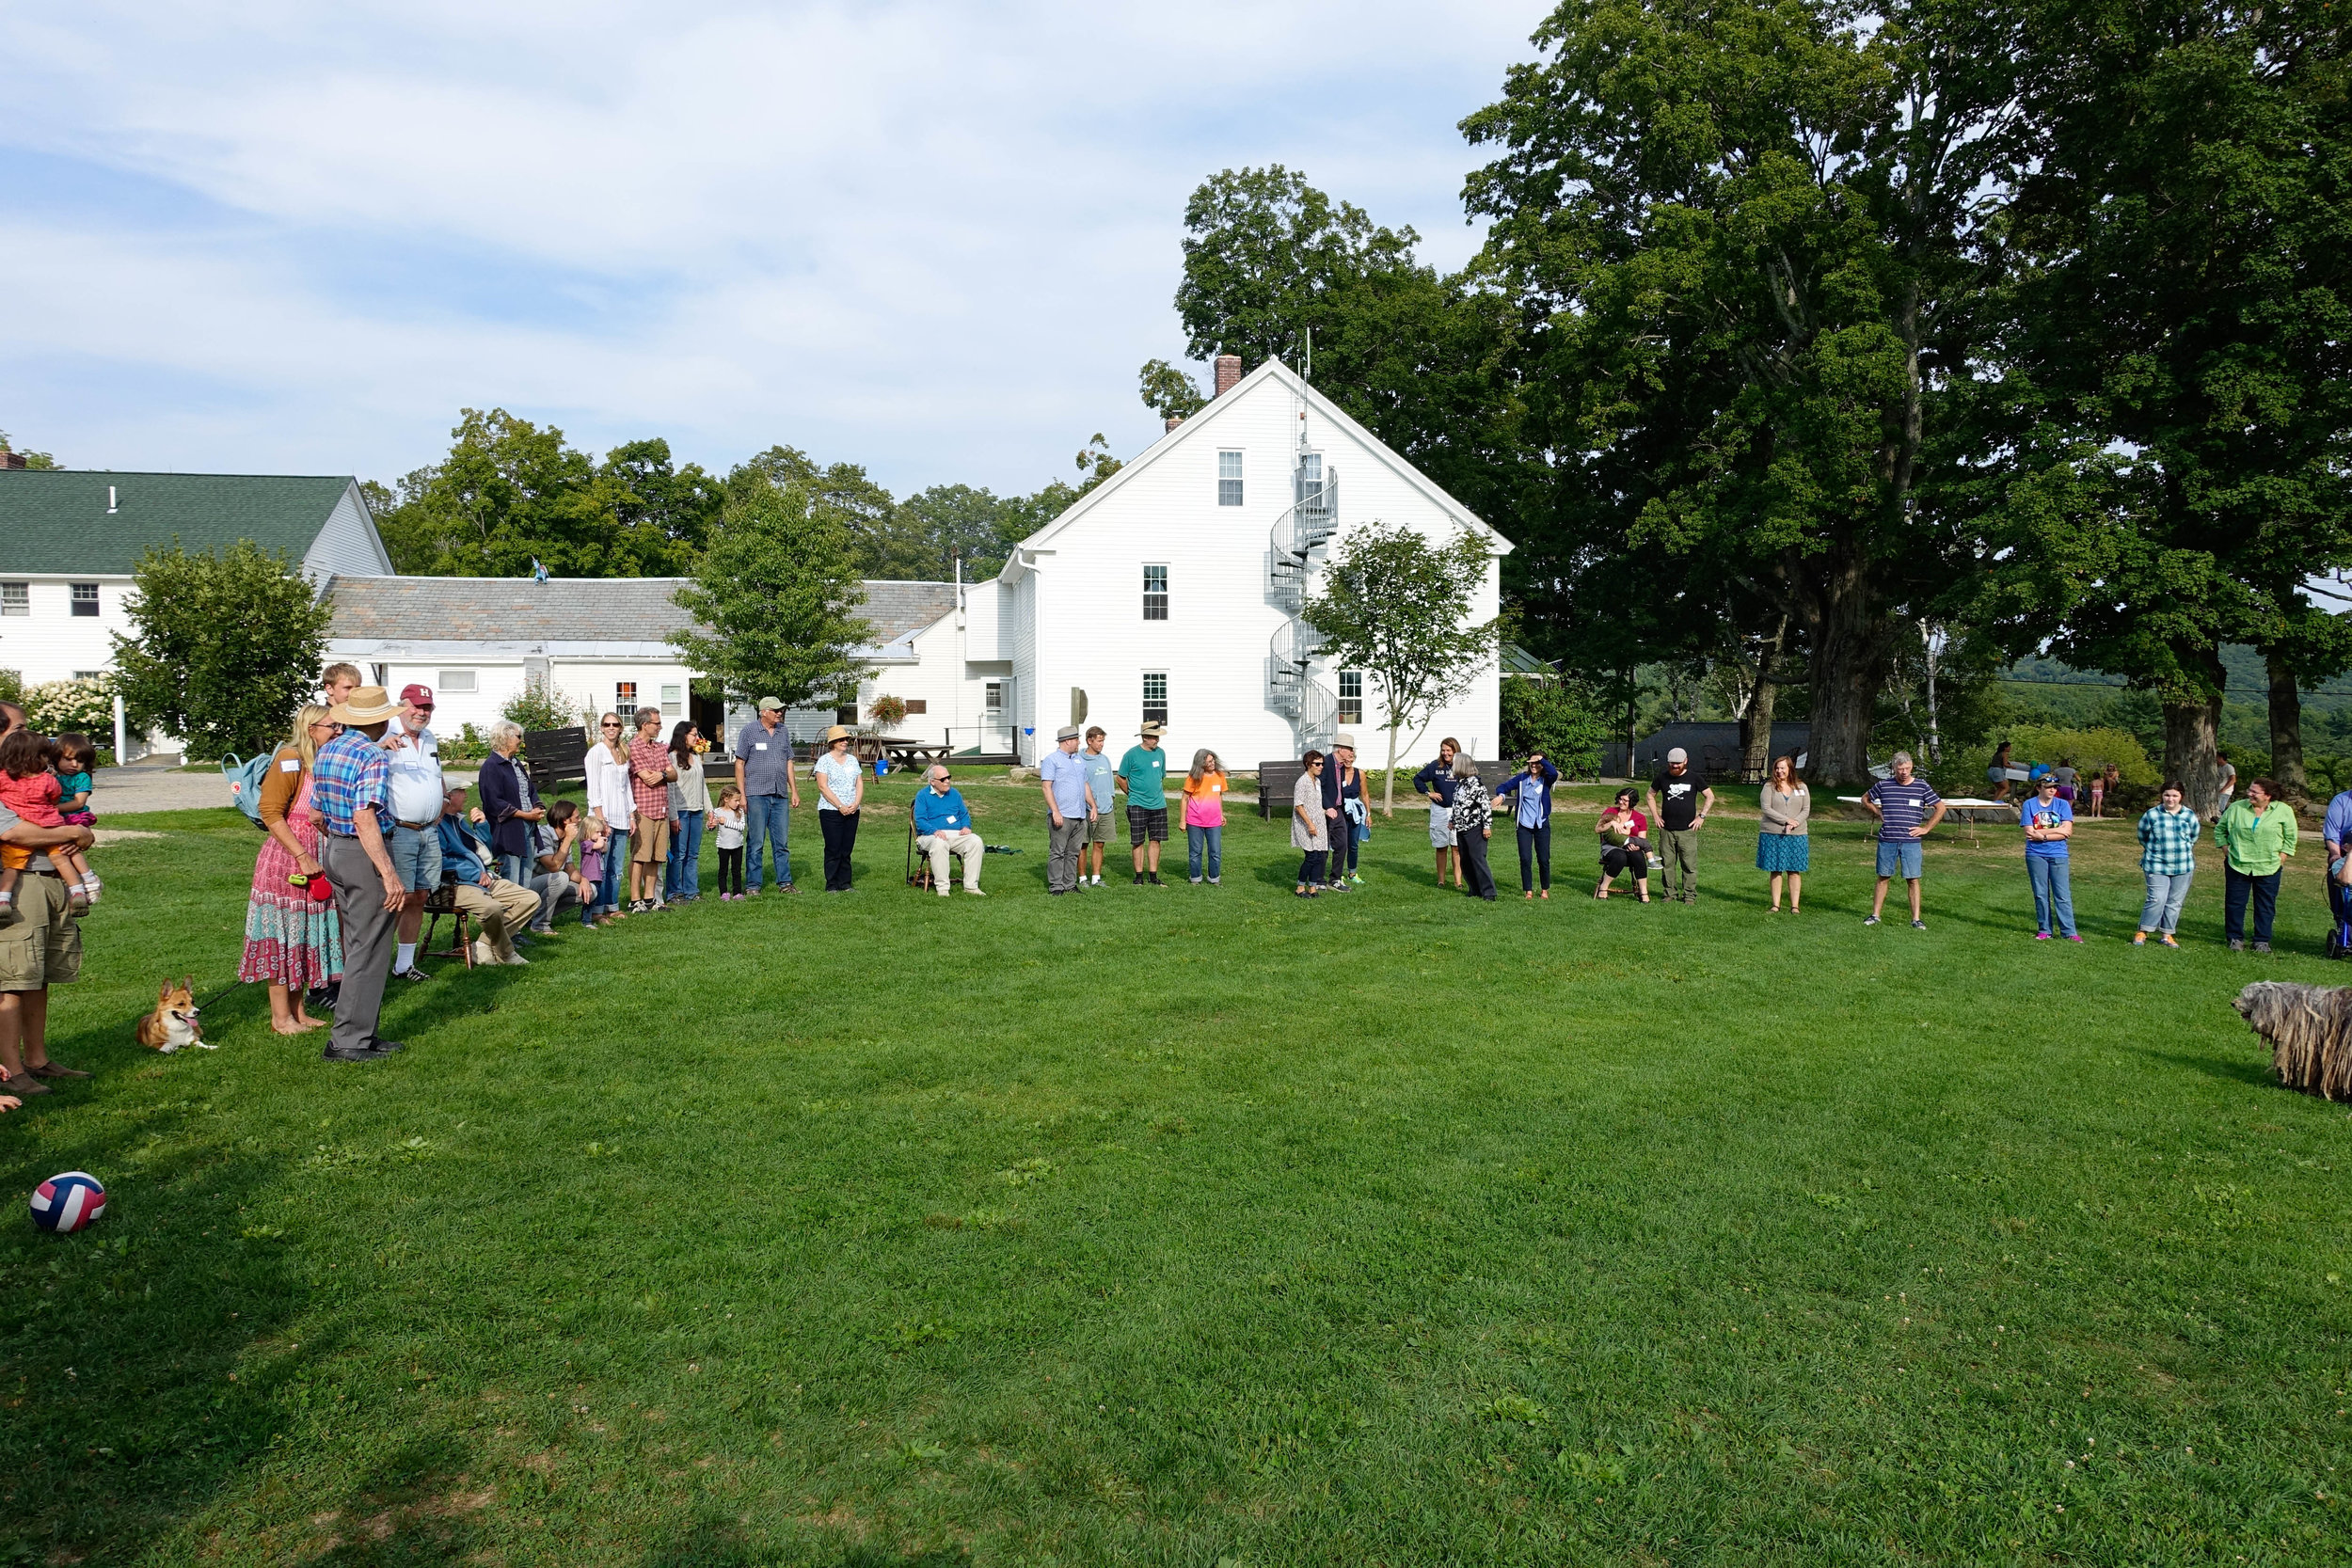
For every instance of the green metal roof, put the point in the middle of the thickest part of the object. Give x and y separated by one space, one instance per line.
1518 661
55 519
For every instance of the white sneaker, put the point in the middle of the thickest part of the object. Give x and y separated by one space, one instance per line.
515 960
974 892
482 954
942 893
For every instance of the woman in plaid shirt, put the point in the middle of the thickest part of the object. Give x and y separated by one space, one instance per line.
2168 858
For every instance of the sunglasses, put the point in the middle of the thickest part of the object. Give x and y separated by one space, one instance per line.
611 724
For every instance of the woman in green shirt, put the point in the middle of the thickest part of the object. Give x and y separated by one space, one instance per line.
2254 835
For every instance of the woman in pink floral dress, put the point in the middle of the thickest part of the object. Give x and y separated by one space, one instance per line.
292 939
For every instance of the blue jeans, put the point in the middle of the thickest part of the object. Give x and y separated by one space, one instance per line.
615 872
682 877
767 818
1204 841
2052 893
2166 895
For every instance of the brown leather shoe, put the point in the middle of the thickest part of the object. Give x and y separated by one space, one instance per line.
50 1069
25 1085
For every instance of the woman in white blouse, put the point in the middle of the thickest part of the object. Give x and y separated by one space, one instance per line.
611 803
841 788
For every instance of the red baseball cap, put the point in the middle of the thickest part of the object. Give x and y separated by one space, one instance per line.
417 693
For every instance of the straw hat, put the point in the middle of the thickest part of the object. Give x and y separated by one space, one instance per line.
836 732
369 705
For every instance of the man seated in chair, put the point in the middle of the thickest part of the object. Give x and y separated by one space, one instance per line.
943 826
502 907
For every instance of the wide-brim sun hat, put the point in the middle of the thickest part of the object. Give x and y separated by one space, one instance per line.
836 732
1152 730
367 704
1346 740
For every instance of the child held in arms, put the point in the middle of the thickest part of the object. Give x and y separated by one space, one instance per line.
30 787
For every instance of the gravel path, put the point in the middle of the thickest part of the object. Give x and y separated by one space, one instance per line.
118 790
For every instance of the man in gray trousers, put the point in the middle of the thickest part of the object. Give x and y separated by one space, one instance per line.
1069 804
351 790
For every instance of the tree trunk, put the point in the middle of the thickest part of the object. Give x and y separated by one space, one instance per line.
2192 733
1849 656
1632 715
1756 720
1388 797
2286 733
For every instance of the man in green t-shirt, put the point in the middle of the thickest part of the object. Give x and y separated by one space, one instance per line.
1143 774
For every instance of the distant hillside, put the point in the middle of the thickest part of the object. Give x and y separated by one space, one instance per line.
2047 688
2250 682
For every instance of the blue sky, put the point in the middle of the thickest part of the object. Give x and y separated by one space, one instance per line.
934 239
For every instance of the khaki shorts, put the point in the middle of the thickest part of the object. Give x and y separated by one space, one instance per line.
649 845
40 942
1099 828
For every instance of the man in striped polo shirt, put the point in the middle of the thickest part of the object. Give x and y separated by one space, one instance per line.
1903 805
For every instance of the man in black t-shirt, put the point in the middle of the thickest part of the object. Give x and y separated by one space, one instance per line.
1678 803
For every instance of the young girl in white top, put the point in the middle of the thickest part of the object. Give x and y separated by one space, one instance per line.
726 825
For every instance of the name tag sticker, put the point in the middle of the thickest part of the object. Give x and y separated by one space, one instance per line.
951 822
759 745
290 766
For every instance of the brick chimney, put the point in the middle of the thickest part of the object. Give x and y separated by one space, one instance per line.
12 460
1174 419
1228 373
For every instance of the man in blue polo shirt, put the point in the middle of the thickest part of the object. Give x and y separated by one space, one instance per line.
943 828
1901 805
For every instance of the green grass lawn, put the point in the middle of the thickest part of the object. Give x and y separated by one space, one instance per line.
1198 1226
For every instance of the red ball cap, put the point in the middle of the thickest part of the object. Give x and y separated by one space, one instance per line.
417 693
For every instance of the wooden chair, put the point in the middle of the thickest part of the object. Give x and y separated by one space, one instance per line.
442 901
918 865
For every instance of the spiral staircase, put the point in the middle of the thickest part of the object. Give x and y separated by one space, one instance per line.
1304 527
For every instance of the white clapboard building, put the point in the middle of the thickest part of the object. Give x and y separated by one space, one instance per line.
1173 590
70 539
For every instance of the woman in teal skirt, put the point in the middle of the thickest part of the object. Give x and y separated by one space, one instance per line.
1784 847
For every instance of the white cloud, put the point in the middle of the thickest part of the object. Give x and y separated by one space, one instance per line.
932 238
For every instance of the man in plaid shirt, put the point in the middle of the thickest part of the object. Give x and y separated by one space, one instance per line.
650 770
351 790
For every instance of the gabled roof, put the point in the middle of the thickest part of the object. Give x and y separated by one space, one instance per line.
573 609
1273 370
56 519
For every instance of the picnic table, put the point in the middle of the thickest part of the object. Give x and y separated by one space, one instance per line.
902 751
1967 806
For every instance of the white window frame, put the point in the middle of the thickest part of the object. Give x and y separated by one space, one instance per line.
1229 476
1155 598
626 706
1149 716
16 598
463 681
672 701
75 599
1351 708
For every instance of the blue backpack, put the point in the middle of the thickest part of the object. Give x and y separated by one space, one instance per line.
244 784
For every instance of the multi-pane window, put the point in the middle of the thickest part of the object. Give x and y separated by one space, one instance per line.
85 598
456 680
1309 476
88 675
1229 479
1156 697
1156 593
1351 696
993 697
625 701
16 598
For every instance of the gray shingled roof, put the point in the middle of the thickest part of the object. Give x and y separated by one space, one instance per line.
55 519
607 610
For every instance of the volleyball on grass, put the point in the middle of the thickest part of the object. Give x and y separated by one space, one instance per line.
66 1203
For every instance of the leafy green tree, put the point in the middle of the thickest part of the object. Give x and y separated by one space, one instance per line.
1753 243
775 599
510 492
1419 359
1169 391
1562 718
223 648
950 520
1397 607
2186 332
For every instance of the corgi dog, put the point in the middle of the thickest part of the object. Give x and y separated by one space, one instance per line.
173 1025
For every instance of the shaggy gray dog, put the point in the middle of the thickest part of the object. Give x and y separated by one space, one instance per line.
2309 1031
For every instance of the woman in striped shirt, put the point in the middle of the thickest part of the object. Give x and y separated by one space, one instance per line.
2168 831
